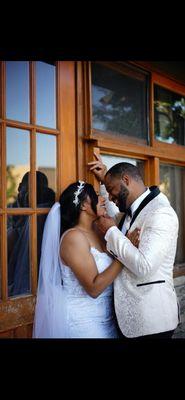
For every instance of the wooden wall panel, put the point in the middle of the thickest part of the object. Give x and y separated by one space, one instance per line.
16 312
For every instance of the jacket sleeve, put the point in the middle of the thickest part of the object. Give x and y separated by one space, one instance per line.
111 208
157 239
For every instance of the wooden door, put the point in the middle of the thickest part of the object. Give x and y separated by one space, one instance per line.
38 160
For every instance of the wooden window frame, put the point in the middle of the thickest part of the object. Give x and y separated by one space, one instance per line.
91 140
97 134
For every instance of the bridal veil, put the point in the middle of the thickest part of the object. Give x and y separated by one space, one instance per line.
50 312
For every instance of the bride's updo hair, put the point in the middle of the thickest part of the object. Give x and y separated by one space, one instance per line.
70 212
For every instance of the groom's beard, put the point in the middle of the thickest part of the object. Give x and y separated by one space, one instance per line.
122 198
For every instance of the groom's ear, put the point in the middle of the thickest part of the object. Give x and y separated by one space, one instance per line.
126 179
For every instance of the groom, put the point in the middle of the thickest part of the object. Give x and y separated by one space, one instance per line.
145 299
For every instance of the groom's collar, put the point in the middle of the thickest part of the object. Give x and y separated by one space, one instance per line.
138 201
153 192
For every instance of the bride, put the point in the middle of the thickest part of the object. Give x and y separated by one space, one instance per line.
75 287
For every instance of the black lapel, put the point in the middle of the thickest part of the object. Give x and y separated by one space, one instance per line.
121 222
154 191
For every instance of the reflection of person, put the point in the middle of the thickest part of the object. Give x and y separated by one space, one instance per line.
145 298
18 233
45 195
82 307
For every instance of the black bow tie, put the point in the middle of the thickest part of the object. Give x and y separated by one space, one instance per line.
129 212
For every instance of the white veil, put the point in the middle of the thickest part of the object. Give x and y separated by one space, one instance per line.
50 312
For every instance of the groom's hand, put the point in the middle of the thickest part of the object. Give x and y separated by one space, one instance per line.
98 168
134 237
104 223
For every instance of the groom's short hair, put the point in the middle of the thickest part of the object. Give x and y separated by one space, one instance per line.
118 170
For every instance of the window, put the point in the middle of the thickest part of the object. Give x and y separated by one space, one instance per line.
37 161
18 249
46 94
160 100
17 167
46 169
119 102
169 109
172 183
30 167
17 91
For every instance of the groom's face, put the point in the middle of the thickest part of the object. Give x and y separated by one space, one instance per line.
118 192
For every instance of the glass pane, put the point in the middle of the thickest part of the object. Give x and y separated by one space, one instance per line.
18 233
169 112
172 183
18 167
40 227
46 94
17 90
0 258
119 102
109 161
46 170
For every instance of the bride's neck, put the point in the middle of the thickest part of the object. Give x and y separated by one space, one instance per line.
85 222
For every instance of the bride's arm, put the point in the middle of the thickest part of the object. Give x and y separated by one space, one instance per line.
111 208
75 252
99 170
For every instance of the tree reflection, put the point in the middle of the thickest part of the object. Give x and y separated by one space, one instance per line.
170 119
115 112
119 101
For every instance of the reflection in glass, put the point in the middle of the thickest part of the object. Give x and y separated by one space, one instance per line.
169 109
17 90
46 94
172 184
18 233
46 167
40 227
119 102
0 259
18 164
109 161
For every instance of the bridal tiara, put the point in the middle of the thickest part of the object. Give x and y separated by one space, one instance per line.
78 191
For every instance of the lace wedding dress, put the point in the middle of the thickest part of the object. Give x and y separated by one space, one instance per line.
89 317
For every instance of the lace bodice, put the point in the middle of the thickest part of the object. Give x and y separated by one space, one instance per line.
72 284
89 317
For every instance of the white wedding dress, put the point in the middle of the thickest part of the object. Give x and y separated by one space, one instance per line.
89 317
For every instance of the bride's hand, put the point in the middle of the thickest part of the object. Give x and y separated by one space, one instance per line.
134 236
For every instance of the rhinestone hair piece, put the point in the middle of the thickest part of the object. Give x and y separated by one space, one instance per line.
78 191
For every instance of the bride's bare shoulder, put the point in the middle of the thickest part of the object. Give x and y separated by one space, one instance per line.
73 243
74 237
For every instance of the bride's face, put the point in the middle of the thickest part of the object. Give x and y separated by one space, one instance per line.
100 207
101 210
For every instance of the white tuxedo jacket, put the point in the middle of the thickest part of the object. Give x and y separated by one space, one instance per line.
144 294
